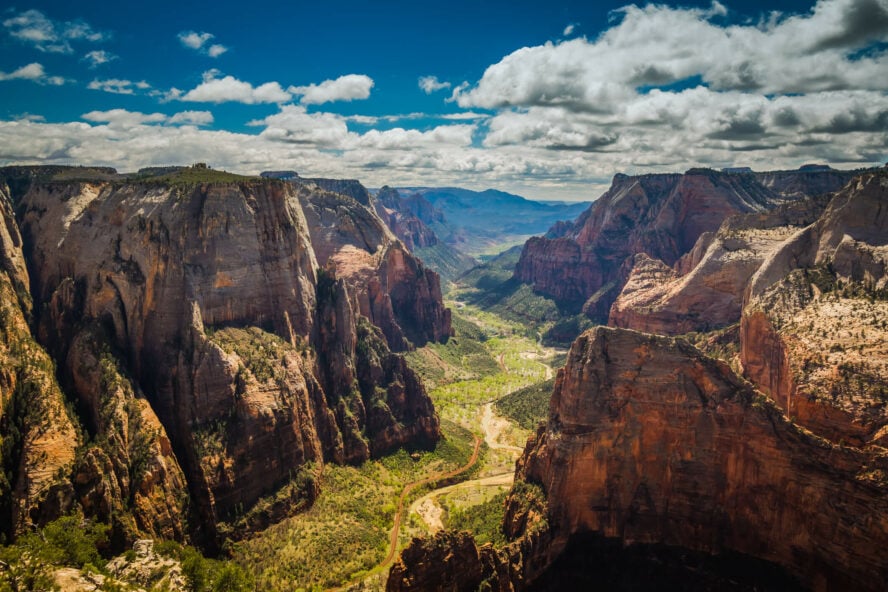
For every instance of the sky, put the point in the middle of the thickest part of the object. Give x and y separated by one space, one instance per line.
545 99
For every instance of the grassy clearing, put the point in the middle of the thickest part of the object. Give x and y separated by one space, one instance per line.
484 520
347 531
528 406
463 357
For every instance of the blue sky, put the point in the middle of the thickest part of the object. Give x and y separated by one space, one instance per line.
546 99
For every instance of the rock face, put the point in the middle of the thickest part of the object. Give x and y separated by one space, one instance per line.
813 334
211 364
704 289
809 282
661 215
406 217
386 283
649 442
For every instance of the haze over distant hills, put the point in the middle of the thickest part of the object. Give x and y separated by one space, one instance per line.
485 222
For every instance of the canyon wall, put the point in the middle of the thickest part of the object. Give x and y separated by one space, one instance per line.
212 348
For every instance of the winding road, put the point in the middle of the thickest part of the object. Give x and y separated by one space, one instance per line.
399 513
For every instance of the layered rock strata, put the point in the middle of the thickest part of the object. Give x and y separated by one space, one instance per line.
662 215
649 442
208 362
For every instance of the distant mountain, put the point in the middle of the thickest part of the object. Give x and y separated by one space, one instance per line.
486 222
584 267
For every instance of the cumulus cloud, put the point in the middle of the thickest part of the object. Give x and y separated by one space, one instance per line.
658 45
191 118
345 88
200 42
430 84
35 73
123 119
36 29
97 57
662 89
119 86
229 89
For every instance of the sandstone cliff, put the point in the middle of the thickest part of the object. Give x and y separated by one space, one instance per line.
813 332
809 281
649 442
704 289
405 217
661 215
387 284
210 365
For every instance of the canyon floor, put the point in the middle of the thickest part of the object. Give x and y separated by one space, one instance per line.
345 540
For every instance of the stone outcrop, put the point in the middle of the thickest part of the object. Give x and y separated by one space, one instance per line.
210 364
705 287
661 215
809 281
386 283
406 217
813 334
649 442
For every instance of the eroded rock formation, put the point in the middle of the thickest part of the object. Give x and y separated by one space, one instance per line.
661 215
649 442
209 363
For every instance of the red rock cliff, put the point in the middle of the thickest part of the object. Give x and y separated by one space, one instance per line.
661 215
649 441
188 321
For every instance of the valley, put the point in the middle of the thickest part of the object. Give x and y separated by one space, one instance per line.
336 416
345 540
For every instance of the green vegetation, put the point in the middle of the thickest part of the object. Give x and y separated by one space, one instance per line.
484 520
261 352
528 406
463 357
447 261
207 575
492 288
346 532
69 541
188 177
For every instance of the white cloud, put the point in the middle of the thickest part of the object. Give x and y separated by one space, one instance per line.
556 120
123 119
194 40
34 28
35 73
295 125
118 86
345 88
430 84
569 29
97 57
658 45
230 89
192 118
200 42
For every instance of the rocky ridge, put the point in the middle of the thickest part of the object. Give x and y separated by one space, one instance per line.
655 450
650 442
661 215
209 363
807 285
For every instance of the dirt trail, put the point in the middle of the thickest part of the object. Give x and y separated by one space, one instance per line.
428 508
493 426
431 512
399 513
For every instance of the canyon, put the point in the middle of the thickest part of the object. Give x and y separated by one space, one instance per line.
755 460
188 355
221 339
